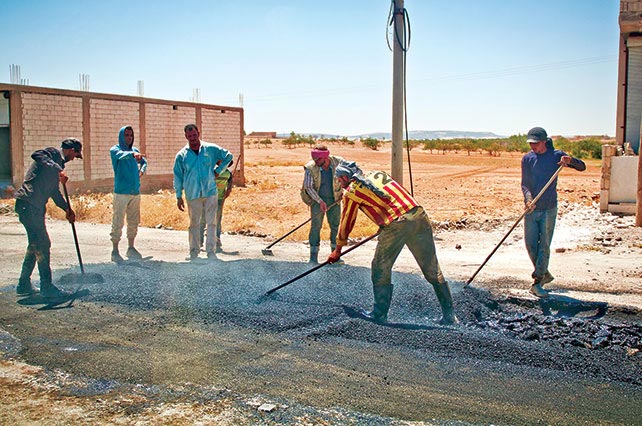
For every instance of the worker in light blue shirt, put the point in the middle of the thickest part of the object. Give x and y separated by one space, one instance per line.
196 167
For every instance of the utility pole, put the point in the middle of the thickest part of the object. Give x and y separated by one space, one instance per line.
396 166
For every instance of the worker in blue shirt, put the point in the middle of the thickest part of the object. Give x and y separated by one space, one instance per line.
129 165
196 167
538 166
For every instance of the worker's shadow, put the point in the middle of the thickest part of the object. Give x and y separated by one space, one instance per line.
52 304
567 307
356 314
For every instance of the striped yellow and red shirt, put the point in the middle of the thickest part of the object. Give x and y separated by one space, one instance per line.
380 210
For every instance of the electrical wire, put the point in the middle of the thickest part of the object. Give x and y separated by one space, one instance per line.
481 75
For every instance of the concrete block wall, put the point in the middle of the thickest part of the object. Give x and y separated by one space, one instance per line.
222 128
630 6
106 119
165 135
47 120
41 117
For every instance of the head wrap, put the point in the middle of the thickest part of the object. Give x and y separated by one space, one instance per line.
320 153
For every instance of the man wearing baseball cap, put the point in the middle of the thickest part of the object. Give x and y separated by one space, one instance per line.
42 181
538 166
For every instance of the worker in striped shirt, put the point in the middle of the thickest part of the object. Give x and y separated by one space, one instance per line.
402 221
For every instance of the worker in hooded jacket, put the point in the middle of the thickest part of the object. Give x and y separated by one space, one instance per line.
129 166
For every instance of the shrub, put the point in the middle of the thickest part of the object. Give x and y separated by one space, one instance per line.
371 143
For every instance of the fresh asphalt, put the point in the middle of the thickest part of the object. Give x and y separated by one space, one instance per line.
167 322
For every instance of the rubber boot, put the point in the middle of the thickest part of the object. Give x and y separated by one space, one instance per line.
314 255
442 290
25 288
382 299
51 292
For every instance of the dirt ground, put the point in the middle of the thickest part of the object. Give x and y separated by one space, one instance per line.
170 342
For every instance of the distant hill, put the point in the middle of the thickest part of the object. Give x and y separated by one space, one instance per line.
413 134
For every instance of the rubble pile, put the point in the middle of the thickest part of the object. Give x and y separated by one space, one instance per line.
580 332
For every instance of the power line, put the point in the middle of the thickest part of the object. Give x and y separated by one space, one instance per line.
481 75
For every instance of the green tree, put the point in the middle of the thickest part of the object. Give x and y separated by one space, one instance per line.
371 143
468 145
265 142
429 145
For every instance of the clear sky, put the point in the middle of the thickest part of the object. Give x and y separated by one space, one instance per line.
324 66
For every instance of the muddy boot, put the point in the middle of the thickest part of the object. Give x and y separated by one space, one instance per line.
446 302
537 290
382 298
314 255
51 292
25 288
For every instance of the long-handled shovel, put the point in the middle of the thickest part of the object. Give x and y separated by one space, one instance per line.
319 266
83 277
267 252
550 181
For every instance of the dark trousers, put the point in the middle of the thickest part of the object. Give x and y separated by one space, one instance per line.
39 244
333 215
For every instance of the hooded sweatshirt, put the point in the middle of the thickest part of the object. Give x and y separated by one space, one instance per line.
126 169
537 169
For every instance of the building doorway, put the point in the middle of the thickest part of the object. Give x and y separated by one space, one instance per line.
5 141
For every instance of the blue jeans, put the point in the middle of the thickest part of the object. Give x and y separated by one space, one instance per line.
538 234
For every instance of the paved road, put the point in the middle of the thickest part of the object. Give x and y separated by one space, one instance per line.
166 321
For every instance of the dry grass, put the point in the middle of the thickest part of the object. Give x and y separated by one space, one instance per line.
451 187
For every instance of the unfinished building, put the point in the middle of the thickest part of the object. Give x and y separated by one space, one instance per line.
32 118
619 185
